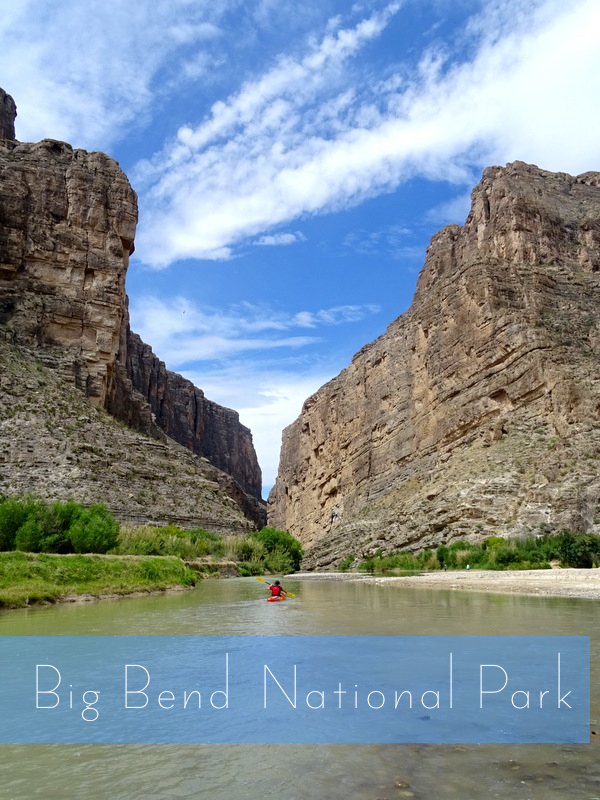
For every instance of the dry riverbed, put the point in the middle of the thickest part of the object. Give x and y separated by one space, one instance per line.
544 582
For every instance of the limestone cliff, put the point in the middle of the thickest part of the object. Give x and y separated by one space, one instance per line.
67 227
478 412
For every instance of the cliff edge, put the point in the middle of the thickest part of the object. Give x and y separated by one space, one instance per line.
67 228
478 412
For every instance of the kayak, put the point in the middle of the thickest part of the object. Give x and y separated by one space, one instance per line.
274 599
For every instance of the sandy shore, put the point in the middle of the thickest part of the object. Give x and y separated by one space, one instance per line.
543 583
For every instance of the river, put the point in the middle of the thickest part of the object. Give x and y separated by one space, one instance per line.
297 772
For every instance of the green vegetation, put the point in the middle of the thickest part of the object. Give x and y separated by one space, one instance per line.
346 562
34 526
267 550
495 553
62 530
39 577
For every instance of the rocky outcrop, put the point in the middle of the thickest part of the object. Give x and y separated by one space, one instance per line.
478 412
8 113
67 226
67 223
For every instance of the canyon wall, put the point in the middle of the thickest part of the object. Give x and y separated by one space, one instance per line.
478 412
67 227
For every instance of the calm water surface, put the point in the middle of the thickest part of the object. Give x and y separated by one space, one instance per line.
299 772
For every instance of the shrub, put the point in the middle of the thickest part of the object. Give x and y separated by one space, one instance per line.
249 568
279 560
13 514
95 530
273 538
578 549
346 563
207 543
442 554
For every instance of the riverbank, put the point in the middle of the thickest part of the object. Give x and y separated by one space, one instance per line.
568 582
33 578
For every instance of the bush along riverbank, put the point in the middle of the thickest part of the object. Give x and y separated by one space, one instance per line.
565 549
125 559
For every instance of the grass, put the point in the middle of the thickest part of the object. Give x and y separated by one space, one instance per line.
27 578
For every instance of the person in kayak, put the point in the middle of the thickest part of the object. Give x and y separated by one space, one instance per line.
277 590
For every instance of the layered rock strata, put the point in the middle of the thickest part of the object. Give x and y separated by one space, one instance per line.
67 226
478 412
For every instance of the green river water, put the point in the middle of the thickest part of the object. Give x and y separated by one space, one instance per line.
299 772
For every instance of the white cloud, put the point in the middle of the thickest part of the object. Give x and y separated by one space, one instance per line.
86 72
298 141
183 333
455 210
280 239
389 240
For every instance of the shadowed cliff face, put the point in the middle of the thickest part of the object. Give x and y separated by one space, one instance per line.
8 112
67 226
477 412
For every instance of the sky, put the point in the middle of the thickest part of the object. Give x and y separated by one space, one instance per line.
293 159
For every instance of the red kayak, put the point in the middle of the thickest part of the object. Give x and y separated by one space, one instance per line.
275 599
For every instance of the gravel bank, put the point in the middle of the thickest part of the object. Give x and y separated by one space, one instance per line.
546 583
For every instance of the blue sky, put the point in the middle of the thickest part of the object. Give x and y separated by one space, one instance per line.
292 159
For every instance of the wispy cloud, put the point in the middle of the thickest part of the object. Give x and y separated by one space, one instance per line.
300 140
182 332
276 239
390 240
86 72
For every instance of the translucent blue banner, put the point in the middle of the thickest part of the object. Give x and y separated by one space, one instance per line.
294 689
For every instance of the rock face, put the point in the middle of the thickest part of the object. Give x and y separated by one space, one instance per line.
182 411
67 226
478 412
8 113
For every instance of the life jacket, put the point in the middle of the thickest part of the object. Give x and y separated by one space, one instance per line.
275 590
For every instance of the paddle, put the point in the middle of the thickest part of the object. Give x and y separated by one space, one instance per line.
262 580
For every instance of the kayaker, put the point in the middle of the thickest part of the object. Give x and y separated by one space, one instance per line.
277 589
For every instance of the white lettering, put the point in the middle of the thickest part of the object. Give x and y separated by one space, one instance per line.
135 691
39 691
292 703
369 699
160 699
561 699
437 696
88 706
226 692
483 691
321 695
399 697
512 699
